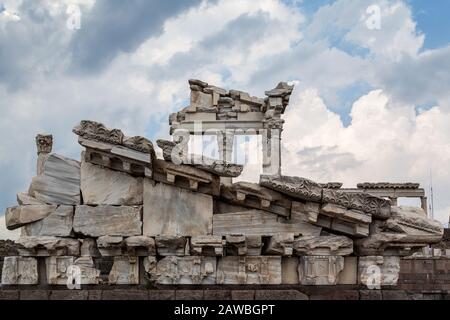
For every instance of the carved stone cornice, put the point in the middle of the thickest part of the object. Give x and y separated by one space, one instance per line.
388 185
217 167
273 123
91 130
295 187
308 190
118 157
138 143
323 245
207 245
97 131
186 177
331 185
378 207
255 196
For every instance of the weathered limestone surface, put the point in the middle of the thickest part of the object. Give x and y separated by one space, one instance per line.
379 243
320 270
377 207
19 270
249 270
348 221
140 246
58 223
189 215
172 246
118 158
89 248
304 189
67 270
112 149
236 245
218 167
182 220
280 244
23 199
182 270
186 177
376 271
201 100
59 182
323 245
104 186
241 245
47 246
108 220
91 130
307 211
296 187
254 196
19 216
349 275
44 143
110 246
289 270
254 244
257 222
207 245
404 233
210 103
125 270
88 273
414 222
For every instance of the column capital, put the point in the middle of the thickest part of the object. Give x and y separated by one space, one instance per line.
44 143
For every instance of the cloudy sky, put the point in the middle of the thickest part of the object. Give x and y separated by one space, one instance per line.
372 100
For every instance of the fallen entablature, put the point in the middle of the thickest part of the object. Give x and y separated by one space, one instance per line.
181 220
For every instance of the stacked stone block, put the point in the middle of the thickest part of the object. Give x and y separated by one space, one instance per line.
164 222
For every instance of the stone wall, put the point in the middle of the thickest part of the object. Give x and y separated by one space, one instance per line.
124 219
420 278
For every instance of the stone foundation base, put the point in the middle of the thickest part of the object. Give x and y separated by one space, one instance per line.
317 293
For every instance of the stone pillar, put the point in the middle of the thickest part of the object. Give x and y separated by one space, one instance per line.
424 204
394 201
271 145
277 136
225 141
44 144
267 151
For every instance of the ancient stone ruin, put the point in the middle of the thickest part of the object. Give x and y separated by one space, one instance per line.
181 219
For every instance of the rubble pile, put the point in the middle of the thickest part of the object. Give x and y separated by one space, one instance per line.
185 223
